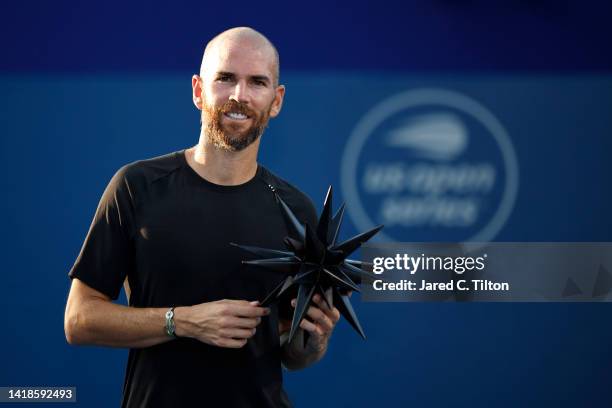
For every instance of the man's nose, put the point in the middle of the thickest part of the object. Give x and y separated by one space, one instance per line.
240 93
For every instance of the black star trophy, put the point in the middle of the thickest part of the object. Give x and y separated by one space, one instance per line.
315 263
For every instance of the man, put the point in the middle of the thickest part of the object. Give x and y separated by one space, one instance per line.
163 227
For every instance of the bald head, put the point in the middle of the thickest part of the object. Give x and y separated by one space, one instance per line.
242 37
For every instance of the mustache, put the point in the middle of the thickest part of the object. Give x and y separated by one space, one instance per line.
235 106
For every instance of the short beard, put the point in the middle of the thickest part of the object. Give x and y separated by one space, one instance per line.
226 139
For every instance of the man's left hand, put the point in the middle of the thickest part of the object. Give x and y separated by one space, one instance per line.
320 322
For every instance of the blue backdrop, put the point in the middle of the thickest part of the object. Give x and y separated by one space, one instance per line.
85 89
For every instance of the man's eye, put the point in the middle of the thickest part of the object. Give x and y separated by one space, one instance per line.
223 78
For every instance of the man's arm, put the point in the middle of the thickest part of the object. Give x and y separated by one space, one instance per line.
92 318
322 320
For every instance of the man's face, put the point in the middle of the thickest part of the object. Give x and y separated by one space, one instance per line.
238 94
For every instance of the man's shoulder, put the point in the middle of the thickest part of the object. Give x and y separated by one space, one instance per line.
151 169
282 186
295 198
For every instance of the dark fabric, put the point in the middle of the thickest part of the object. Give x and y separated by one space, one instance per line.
169 231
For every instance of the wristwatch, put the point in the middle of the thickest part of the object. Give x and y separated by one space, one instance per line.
170 326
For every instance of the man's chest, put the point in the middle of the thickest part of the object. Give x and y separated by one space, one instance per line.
184 253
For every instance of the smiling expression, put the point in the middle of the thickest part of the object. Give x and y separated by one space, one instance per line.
238 90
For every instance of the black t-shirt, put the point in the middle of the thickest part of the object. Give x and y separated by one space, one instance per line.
168 231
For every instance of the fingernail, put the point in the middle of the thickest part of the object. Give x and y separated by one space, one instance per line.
255 303
293 303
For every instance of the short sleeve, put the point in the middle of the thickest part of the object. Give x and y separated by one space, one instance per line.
108 252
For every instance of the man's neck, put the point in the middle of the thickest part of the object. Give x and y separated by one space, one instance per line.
220 166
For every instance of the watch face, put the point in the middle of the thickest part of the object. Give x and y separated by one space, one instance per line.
169 314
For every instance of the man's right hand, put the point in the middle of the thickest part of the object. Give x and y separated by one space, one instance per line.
224 323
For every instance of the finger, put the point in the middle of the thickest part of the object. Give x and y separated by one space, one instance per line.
311 327
249 311
238 333
231 343
321 303
324 322
241 322
332 313
236 302
243 306
318 317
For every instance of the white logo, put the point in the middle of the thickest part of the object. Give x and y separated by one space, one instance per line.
432 165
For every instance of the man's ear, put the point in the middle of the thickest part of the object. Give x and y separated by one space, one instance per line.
277 104
196 88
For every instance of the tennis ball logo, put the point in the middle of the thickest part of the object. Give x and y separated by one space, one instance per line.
431 165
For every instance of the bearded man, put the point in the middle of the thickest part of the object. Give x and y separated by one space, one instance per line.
196 332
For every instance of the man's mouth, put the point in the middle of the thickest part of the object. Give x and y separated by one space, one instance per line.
235 115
